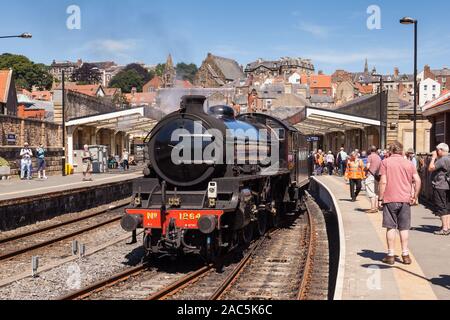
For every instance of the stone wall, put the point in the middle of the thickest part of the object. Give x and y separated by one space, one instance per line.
53 160
80 105
34 132
29 210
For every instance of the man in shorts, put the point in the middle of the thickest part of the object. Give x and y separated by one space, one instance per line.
440 168
399 190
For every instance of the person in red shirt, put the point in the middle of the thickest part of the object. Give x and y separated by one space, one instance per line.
399 190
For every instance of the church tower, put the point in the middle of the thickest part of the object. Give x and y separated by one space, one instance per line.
170 74
366 67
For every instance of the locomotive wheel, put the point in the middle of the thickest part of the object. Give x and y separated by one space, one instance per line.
261 224
246 235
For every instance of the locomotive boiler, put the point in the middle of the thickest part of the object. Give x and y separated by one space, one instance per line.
213 181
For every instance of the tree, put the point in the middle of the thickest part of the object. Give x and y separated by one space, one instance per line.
87 74
144 73
186 71
160 69
127 80
26 73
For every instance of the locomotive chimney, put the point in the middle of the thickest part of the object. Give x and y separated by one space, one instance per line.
193 104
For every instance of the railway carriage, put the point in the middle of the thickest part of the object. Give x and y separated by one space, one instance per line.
214 181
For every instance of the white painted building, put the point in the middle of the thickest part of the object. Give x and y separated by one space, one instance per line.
429 90
295 78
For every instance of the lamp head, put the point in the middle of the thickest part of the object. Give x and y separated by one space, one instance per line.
407 20
26 35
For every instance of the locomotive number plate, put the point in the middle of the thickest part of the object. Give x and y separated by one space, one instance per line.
188 219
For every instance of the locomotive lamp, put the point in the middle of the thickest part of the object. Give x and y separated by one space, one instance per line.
212 194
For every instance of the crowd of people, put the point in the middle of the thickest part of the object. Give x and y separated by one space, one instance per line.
392 183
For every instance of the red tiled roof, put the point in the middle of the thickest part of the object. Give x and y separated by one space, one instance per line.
88 89
365 89
185 84
41 95
155 83
316 80
141 98
111 91
5 82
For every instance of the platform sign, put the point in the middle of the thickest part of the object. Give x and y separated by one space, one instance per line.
312 139
11 139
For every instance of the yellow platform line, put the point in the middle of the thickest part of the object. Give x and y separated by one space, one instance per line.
411 280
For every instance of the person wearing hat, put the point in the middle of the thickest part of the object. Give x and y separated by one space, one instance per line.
440 176
25 163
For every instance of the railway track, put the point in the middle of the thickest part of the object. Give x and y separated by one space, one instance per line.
14 242
279 266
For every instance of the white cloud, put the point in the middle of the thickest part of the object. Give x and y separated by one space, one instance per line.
314 29
122 49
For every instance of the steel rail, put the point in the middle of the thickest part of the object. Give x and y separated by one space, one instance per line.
304 285
98 286
58 225
15 253
228 282
181 284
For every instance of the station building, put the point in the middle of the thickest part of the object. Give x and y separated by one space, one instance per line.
369 120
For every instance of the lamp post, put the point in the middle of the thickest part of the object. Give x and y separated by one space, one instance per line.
63 107
23 36
408 21
382 120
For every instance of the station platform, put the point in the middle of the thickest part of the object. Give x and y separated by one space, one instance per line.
363 276
17 189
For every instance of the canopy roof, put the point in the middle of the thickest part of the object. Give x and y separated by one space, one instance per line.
136 121
319 122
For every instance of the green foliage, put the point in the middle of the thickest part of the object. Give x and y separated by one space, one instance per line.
87 74
144 73
186 71
160 69
26 73
127 79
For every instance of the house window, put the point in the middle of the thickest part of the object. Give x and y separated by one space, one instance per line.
444 80
325 91
316 91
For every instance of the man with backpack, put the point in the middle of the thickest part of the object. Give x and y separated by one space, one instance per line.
373 179
440 175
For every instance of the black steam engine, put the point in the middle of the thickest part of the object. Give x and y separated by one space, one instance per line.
215 181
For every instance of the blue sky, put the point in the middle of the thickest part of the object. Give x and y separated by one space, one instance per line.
333 33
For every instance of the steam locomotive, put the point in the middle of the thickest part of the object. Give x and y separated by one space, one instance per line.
214 181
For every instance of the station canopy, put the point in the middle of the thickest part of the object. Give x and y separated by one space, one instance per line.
314 121
135 121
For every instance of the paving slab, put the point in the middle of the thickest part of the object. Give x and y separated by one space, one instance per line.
366 277
15 189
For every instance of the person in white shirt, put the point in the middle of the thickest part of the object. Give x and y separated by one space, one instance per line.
25 164
330 162
125 160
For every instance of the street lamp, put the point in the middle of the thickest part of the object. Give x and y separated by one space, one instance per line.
408 21
382 120
23 36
